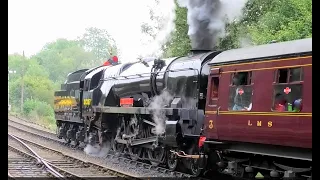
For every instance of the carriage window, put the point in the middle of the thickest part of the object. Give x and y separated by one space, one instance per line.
287 90
240 94
214 90
244 78
282 75
288 75
295 74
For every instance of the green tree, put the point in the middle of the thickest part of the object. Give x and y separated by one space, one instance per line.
262 22
35 69
35 87
99 42
44 72
155 25
40 108
179 45
62 57
18 63
267 20
286 20
37 84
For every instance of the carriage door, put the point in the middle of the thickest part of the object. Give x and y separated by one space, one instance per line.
212 104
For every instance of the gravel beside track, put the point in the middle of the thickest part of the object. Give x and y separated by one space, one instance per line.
29 124
25 127
68 166
112 161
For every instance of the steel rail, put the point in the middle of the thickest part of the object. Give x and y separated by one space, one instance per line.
116 155
39 158
99 167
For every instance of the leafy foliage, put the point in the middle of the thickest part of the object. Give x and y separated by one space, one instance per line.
179 45
41 108
62 56
43 73
99 42
286 20
262 21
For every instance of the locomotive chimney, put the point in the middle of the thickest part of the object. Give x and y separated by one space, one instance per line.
199 51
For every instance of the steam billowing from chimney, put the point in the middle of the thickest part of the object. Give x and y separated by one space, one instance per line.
162 26
207 19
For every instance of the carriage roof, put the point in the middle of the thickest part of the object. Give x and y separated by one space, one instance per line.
263 51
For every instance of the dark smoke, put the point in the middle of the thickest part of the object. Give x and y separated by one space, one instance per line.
207 20
200 13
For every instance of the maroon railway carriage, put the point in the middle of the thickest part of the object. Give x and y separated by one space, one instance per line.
259 102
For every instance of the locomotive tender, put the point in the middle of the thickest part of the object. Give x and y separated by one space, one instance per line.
242 112
66 104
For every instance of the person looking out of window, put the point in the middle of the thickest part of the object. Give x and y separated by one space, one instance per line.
297 105
280 103
238 101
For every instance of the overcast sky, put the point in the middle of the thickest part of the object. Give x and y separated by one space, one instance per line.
33 23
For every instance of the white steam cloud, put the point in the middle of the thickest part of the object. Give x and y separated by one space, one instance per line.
245 42
159 117
207 19
96 150
164 13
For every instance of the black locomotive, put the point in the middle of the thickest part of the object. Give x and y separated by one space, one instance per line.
148 108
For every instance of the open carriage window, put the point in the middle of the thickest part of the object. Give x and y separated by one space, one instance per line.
287 90
240 94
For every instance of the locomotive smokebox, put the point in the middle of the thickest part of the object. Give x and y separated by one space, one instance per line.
199 51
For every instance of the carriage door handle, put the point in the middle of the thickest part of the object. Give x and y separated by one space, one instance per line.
218 110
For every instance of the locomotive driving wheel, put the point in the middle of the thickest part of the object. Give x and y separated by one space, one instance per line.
133 129
134 152
118 147
193 164
194 168
65 137
172 161
58 132
157 154
68 140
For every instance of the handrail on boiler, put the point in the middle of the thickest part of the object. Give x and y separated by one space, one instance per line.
149 73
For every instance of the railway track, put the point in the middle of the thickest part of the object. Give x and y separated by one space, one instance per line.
54 163
114 157
29 123
23 165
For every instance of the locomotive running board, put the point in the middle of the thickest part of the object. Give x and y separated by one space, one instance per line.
137 141
135 110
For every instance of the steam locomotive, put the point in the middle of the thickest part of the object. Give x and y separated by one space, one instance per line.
244 112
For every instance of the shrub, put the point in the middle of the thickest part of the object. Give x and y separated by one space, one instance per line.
39 107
